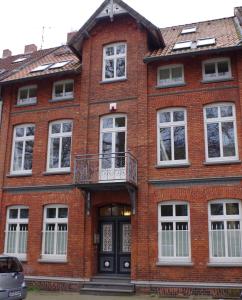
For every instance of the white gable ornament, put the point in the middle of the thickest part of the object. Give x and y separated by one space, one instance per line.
111 10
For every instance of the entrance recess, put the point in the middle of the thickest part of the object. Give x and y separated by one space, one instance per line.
115 239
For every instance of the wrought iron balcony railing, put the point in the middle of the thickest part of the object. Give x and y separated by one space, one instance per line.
105 168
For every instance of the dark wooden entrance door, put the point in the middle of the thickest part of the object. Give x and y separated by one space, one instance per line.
115 245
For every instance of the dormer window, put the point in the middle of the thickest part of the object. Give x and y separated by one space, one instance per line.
114 62
27 95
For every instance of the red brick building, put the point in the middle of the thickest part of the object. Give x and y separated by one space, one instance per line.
121 155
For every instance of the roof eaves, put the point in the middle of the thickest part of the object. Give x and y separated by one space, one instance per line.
149 59
43 76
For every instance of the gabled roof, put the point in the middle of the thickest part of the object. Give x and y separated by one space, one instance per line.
8 66
110 9
24 71
225 32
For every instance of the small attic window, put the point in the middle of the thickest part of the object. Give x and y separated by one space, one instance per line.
41 67
20 59
182 45
189 30
59 64
206 42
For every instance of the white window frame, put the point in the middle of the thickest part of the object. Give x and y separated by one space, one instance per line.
112 174
62 82
224 218
171 125
18 221
182 45
216 61
171 81
114 57
187 30
24 139
219 120
174 219
56 221
60 136
28 100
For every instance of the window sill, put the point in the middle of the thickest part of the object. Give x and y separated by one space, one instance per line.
25 104
52 261
49 173
174 263
61 99
224 265
19 175
112 81
217 80
227 162
170 85
172 165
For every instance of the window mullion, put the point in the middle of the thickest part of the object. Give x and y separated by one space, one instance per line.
23 155
174 240
60 151
172 143
221 139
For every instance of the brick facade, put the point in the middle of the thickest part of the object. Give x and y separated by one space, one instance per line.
139 99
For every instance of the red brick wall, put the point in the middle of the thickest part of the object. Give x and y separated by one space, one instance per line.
138 98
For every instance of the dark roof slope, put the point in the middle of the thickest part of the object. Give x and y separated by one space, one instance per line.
23 70
225 31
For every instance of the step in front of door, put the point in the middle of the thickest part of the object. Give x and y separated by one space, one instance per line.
108 286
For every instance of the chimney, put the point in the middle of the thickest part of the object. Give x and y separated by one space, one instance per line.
30 48
70 36
6 53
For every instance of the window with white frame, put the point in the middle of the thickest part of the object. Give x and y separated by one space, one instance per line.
225 233
22 150
215 69
16 234
174 231
114 61
172 136
63 89
220 132
55 232
59 146
27 95
170 75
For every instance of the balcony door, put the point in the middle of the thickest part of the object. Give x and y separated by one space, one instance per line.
112 148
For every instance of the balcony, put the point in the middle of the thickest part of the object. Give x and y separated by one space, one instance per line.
105 171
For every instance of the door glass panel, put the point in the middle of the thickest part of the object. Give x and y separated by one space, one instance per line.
120 149
126 238
107 241
106 150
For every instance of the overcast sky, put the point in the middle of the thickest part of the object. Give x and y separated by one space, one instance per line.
22 21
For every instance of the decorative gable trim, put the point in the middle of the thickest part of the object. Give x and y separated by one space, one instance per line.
110 9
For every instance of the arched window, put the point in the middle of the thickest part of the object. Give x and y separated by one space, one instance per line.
172 136
220 132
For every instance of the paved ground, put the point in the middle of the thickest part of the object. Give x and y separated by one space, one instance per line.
75 296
